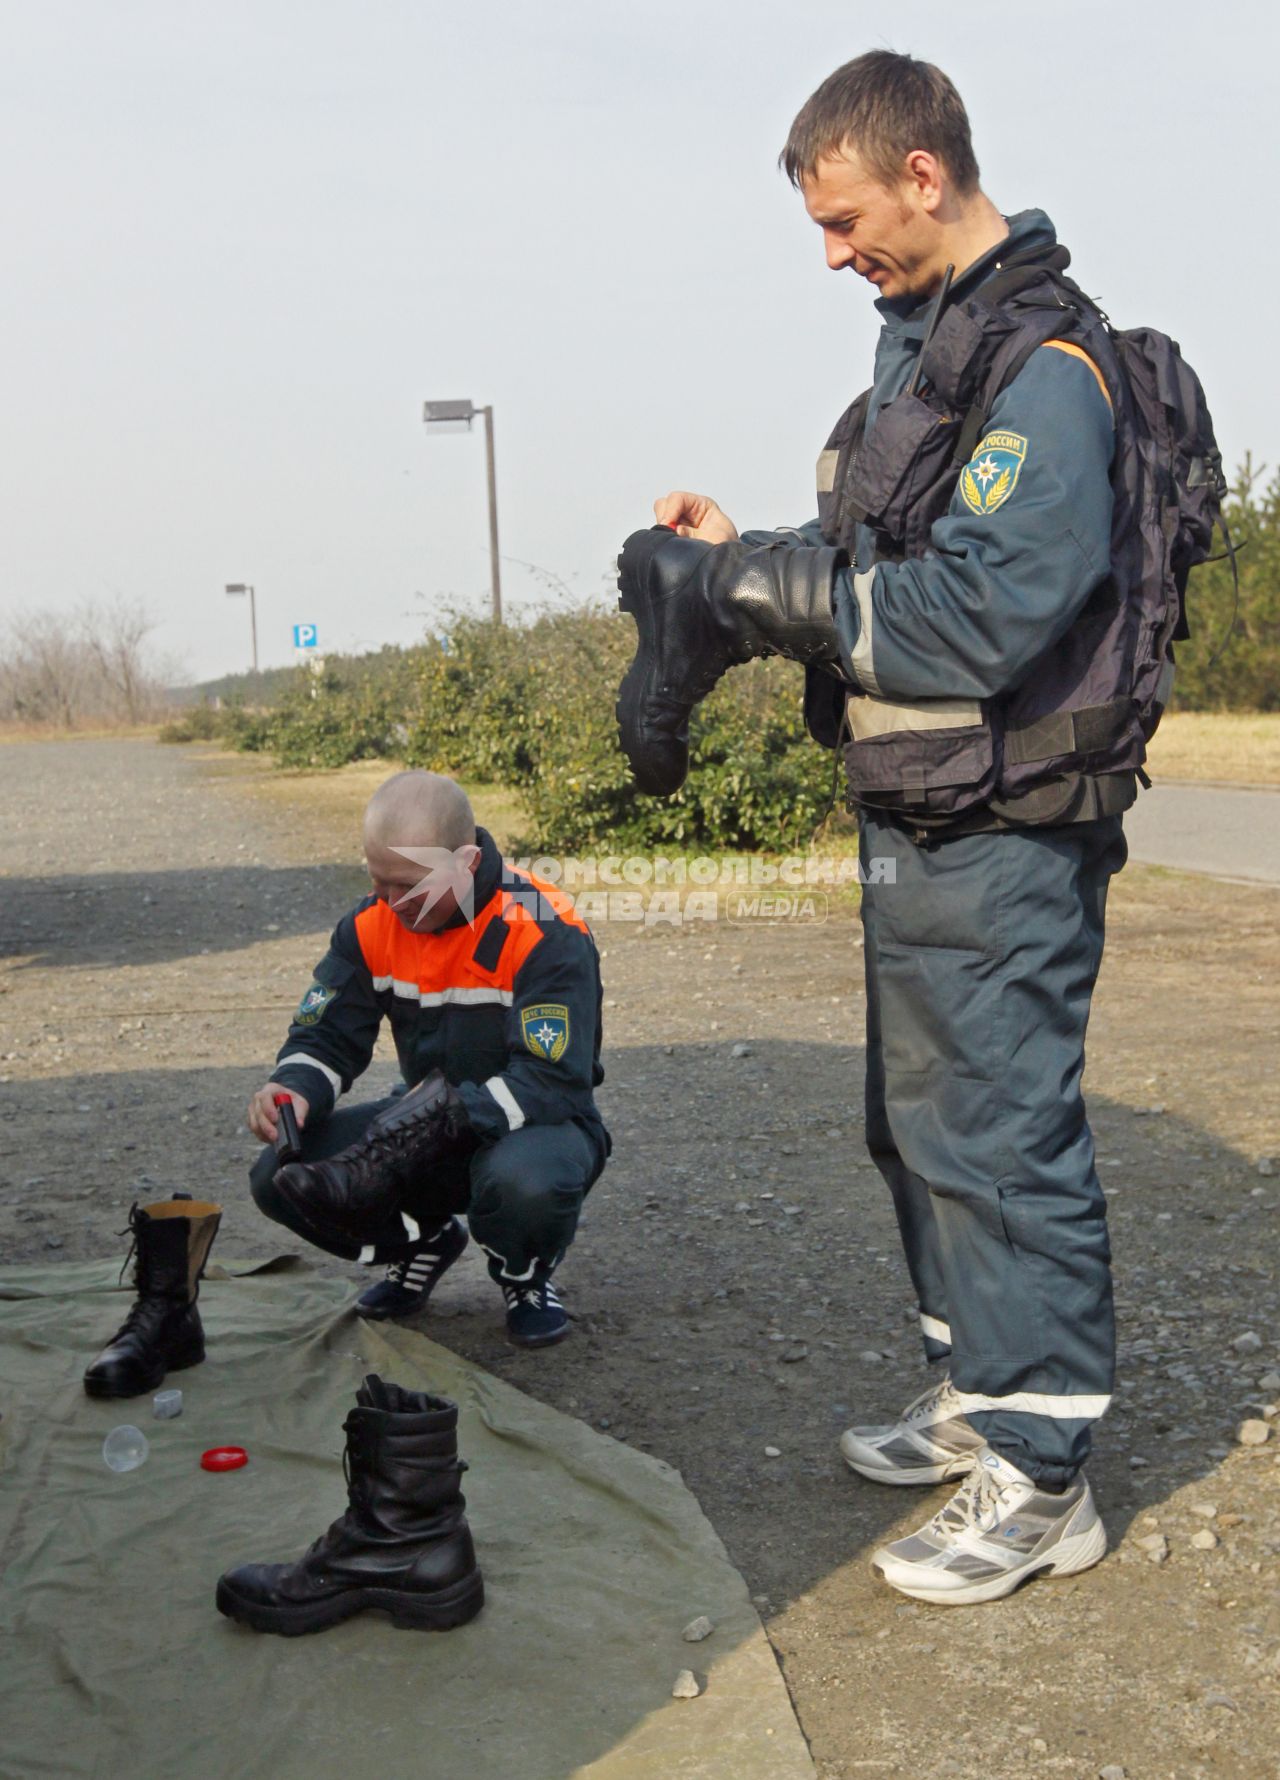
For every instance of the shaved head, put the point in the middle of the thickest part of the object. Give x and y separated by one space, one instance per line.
419 809
420 849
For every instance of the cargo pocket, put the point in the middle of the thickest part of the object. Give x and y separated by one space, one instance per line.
905 482
936 755
941 1041
938 1011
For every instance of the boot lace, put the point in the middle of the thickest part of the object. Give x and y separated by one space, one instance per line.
148 1309
376 1155
131 1231
384 1153
145 1317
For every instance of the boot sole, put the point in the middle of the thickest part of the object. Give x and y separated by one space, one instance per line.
437 1613
100 1388
1080 1552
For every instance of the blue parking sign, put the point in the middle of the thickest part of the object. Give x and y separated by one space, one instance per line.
305 636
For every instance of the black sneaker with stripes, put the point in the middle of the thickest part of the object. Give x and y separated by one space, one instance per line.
411 1280
535 1315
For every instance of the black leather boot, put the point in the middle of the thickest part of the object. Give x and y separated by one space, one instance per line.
402 1546
700 609
162 1333
351 1202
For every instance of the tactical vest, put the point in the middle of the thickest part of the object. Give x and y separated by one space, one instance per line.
1066 745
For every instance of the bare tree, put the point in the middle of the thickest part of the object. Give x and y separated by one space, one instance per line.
44 671
93 665
115 636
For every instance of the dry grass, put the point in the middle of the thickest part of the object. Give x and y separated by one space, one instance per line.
324 808
88 732
1240 747
337 795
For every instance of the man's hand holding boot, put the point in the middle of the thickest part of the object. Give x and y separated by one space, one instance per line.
695 516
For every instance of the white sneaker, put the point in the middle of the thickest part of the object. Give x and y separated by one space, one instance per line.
932 1443
995 1532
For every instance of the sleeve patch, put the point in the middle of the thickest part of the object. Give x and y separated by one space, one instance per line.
314 1002
545 1029
991 474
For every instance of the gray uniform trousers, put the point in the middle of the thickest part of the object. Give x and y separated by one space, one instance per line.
521 1194
981 956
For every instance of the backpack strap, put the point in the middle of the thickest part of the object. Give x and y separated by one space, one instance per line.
1043 331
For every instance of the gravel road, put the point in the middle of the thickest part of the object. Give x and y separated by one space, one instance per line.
737 1283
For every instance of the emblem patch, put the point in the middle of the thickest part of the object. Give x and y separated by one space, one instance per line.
991 474
314 1002
545 1029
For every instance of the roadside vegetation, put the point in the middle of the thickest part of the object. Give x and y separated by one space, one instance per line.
1244 673
92 668
529 707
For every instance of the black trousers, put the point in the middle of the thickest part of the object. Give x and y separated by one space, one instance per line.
521 1195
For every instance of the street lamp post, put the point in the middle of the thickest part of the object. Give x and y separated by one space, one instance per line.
243 587
447 417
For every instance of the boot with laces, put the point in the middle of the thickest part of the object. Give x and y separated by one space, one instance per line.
412 1278
162 1332
403 1545
995 1533
930 1443
352 1204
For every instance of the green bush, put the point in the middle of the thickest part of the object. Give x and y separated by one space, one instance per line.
1244 673
202 724
530 706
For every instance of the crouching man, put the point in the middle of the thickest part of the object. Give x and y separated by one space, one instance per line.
491 986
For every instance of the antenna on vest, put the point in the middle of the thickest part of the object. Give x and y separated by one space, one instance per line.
935 315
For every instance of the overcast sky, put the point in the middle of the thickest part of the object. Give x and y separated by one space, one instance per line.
244 240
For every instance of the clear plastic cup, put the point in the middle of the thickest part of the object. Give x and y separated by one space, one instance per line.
125 1448
166 1404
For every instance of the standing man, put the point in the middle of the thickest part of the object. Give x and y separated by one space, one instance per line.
491 987
964 605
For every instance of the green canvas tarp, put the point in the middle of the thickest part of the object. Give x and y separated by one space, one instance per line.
115 1664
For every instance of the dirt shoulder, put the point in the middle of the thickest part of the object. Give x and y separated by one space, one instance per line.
1225 747
737 1283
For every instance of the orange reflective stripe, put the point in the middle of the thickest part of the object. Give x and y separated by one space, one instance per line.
432 963
1075 351
558 900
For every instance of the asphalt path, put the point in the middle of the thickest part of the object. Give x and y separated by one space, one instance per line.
1228 831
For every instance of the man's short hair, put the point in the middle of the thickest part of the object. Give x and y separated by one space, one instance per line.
884 106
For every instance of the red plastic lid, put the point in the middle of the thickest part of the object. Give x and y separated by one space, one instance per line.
223 1458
